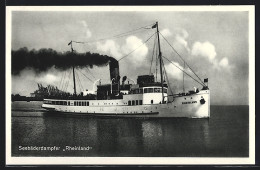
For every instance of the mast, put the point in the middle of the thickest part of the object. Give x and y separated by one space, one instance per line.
74 82
183 78
160 58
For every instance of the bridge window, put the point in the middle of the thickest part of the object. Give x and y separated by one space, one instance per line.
136 91
157 90
150 90
129 103
140 102
145 90
165 90
141 91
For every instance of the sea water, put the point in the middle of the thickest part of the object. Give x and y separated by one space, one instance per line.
36 132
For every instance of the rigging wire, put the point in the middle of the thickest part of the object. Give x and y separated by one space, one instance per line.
67 84
136 48
156 63
202 83
167 79
62 86
81 87
91 73
152 56
79 82
86 77
115 36
60 83
183 71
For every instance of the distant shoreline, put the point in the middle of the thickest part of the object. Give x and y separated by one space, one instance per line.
27 99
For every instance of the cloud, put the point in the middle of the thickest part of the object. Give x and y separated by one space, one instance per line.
133 43
166 32
180 39
86 30
224 62
208 51
205 49
111 47
50 78
173 71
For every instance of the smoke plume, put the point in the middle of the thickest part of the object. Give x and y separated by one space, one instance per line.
43 59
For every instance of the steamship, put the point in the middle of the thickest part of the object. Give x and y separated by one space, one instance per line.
145 98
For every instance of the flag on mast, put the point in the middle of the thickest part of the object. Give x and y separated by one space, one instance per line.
154 26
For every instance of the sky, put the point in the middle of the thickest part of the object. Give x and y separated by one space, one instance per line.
214 44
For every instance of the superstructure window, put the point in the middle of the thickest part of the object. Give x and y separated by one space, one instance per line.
79 103
75 103
129 103
133 102
145 90
136 91
140 102
157 90
47 102
136 102
165 90
141 91
87 103
150 90
151 101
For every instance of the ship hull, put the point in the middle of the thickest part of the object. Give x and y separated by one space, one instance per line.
191 106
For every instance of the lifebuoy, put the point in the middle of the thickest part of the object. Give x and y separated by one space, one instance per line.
202 101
